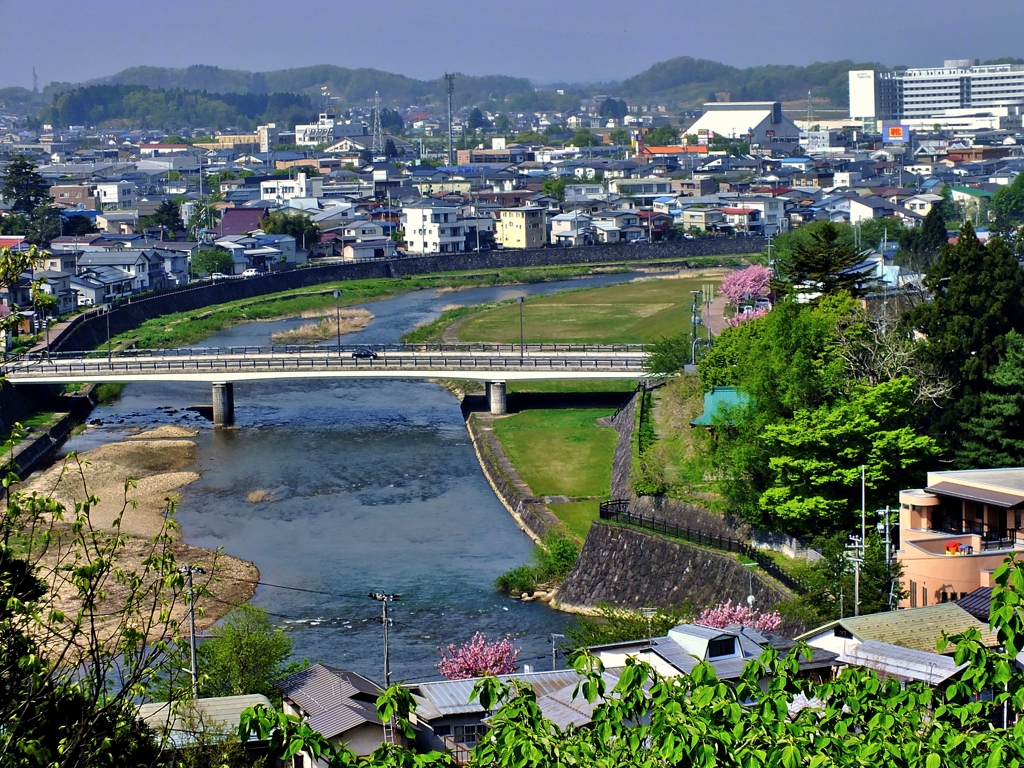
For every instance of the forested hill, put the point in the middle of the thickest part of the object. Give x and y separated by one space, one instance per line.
351 86
682 81
688 80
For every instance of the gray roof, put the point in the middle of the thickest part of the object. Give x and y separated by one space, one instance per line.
180 721
451 697
902 663
335 700
111 258
978 603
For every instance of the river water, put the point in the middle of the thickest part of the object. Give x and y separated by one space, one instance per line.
375 487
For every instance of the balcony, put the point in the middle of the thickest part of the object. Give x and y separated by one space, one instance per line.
992 538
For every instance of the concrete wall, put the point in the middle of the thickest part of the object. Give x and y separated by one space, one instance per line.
633 569
89 330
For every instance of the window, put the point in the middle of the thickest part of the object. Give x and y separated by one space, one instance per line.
913 594
924 596
843 632
725 646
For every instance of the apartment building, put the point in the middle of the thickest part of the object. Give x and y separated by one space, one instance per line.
433 226
957 530
524 227
115 194
928 92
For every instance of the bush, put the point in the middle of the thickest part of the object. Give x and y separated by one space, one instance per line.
517 581
556 557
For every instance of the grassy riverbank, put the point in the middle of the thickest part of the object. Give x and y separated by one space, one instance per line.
562 452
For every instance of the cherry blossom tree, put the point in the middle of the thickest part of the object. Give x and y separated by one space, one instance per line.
479 658
751 282
726 614
743 317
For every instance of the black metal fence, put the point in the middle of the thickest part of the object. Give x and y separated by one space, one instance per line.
618 511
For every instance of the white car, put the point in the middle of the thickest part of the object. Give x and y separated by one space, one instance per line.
218 276
251 273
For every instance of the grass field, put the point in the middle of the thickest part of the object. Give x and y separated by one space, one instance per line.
560 452
37 422
577 386
577 516
637 312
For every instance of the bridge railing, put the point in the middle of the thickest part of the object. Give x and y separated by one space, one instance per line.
296 349
326 360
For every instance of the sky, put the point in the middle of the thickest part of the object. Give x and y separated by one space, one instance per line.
545 40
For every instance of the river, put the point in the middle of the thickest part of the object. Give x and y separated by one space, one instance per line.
374 486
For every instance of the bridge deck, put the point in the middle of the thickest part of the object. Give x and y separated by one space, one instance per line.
200 365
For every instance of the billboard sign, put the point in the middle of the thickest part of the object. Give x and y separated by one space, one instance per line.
895 133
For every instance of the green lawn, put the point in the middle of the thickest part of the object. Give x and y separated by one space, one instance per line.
560 452
37 422
577 515
636 312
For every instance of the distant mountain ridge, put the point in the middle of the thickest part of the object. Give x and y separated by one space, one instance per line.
683 80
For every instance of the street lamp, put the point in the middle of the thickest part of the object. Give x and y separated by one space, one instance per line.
337 303
106 311
522 342
649 614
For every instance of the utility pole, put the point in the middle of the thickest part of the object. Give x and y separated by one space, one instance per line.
450 87
554 650
194 668
337 304
522 338
384 598
378 139
649 614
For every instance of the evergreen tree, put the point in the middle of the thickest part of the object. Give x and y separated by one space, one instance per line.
23 187
978 298
996 437
825 264
389 149
920 246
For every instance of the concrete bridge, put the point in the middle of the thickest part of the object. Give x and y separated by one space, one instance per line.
494 364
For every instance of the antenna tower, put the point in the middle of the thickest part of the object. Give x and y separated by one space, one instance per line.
35 80
450 84
378 139
810 115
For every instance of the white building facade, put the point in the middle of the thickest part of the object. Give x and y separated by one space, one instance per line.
432 226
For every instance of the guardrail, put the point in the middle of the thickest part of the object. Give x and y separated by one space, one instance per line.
292 349
321 362
618 511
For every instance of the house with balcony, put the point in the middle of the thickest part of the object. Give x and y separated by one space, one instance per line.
433 226
524 227
957 530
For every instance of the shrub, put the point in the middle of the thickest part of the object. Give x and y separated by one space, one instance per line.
517 581
556 557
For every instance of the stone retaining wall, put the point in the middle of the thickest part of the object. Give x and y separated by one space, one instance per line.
37 451
633 569
89 330
624 422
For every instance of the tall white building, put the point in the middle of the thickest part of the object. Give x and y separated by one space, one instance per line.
926 93
433 226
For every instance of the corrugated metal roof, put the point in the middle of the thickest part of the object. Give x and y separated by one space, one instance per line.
180 720
978 603
451 697
972 493
903 663
917 628
328 696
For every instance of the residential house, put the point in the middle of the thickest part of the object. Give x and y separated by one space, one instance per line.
923 203
100 284
866 208
743 219
281 190
727 650
973 202
120 195
524 227
117 222
957 530
432 226
144 268
74 243
571 229
207 720
618 227
696 187
643 190
773 212
240 221
703 219
72 195
57 285
338 704
370 248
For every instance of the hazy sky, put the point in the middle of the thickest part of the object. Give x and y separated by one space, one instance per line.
594 40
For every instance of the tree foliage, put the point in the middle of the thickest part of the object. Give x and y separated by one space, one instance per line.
746 284
919 247
612 625
1007 204
726 615
478 658
668 355
23 187
824 266
584 138
661 136
996 437
554 186
298 225
620 137
166 215
211 260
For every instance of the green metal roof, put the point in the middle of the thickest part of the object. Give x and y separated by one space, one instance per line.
718 402
972 191
916 628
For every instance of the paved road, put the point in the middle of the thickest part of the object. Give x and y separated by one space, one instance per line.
216 365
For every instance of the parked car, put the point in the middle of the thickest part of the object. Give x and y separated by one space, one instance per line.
251 273
218 276
364 353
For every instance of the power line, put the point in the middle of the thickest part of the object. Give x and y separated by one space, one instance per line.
384 598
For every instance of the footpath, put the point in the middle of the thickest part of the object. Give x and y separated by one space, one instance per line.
714 317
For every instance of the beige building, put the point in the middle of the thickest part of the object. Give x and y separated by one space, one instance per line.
957 530
524 227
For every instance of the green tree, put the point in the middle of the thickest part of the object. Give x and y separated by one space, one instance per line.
529 137
661 136
1007 204
614 625
246 654
668 355
824 266
554 186
996 437
77 224
584 138
620 137
211 260
815 459
42 301
389 148
167 215
298 225
23 187
919 247
977 299
476 120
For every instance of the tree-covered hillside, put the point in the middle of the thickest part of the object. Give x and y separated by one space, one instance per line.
146 107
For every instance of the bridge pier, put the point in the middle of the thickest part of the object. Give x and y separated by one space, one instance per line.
496 397
223 404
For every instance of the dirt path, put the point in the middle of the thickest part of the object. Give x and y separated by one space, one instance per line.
715 317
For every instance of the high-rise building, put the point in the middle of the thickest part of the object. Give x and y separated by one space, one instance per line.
925 93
